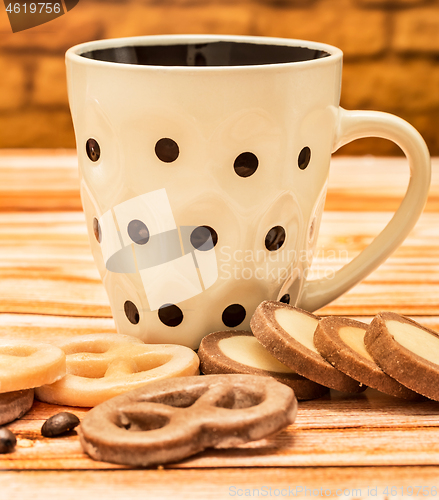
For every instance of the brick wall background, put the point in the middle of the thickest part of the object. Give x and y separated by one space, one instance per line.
391 58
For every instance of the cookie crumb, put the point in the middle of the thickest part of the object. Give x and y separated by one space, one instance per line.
24 443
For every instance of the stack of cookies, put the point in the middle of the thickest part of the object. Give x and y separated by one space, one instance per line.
393 354
25 365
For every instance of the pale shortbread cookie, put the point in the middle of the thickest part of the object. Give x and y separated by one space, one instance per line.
235 351
406 351
15 404
341 342
101 366
287 332
25 364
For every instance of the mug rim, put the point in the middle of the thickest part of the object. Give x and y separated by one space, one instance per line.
75 53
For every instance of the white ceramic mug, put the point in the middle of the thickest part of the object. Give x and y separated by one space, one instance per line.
203 165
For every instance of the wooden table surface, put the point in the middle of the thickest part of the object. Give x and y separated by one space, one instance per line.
339 446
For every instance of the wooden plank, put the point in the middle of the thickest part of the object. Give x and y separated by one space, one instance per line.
364 299
302 482
39 180
338 429
369 183
49 328
48 180
46 266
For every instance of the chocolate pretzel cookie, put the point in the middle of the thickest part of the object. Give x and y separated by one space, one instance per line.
169 420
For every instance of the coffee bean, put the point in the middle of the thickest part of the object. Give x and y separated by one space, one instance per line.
7 440
59 424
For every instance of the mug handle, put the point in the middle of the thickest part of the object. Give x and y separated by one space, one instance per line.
355 125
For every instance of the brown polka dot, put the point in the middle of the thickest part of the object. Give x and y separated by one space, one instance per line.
170 315
275 238
167 150
97 230
93 150
233 315
204 238
131 312
304 158
285 298
138 232
246 164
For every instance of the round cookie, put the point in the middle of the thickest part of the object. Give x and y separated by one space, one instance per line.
15 404
25 364
406 351
341 342
287 333
235 351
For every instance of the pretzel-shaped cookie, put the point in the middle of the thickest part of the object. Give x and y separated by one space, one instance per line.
25 364
101 366
15 404
172 419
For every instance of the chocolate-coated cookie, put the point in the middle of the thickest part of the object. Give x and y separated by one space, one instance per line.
235 351
406 351
168 420
341 342
15 404
287 332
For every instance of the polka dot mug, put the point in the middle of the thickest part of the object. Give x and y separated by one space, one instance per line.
203 166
